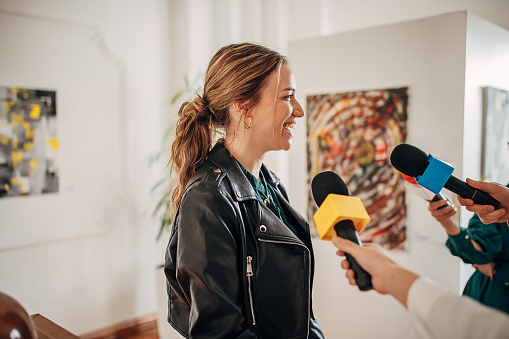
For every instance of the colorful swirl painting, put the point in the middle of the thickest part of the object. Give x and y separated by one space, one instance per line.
353 134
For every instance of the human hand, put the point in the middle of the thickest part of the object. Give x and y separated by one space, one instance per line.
487 213
486 269
372 258
387 277
442 214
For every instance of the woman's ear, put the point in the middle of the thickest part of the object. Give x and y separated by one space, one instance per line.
241 106
237 106
235 112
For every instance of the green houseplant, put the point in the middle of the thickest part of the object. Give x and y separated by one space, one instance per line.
163 188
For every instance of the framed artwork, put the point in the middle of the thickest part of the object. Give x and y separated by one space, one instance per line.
353 134
495 148
79 158
28 142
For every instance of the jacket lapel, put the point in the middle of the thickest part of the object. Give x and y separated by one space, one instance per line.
242 191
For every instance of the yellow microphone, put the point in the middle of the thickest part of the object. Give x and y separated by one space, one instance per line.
342 215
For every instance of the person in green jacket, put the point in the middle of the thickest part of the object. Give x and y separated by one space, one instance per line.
486 247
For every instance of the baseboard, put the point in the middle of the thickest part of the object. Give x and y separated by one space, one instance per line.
132 326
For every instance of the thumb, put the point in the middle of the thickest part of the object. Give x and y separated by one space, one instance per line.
473 183
345 245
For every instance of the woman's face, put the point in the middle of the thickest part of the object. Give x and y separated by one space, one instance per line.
275 116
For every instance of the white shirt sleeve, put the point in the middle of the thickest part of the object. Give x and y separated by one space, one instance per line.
438 313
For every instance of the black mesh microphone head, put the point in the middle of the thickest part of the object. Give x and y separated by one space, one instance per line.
409 160
326 183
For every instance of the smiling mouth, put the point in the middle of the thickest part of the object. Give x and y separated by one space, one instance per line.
289 126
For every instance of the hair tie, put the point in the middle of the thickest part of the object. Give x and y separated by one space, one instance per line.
201 106
204 100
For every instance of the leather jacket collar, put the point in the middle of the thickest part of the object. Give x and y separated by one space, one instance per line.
222 158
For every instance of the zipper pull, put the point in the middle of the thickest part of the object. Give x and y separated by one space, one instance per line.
249 266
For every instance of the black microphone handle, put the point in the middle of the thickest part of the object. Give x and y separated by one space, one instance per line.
464 190
437 197
346 230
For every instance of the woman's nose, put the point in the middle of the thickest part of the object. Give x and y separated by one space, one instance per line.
298 111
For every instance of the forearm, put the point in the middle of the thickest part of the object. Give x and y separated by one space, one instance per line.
450 226
399 280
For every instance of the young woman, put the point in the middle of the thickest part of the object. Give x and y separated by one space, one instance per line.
239 262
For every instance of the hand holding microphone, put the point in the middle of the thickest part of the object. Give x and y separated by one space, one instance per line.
488 214
387 276
341 215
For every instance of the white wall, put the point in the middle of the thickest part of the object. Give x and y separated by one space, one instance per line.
93 281
97 279
322 17
487 64
427 56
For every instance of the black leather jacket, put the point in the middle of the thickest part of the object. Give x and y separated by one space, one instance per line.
233 269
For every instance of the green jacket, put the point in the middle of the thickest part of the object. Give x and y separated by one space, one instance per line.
494 238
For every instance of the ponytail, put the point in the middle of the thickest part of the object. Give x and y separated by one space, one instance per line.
192 142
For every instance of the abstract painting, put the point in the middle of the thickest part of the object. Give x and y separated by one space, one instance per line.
495 159
353 135
28 142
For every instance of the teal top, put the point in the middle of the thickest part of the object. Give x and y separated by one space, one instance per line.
266 194
494 238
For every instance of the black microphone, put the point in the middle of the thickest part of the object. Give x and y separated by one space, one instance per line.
412 161
322 185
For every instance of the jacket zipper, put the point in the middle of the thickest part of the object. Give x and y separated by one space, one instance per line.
249 273
309 271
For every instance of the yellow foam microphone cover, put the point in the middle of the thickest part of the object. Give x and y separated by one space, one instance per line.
336 208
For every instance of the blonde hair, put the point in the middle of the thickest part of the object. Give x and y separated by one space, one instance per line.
236 73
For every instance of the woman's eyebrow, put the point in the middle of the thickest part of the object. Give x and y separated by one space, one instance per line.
288 89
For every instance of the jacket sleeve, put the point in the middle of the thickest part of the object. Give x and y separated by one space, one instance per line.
488 236
208 265
502 275
429 307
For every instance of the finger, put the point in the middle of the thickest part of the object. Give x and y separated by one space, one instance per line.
345 264
434 205
450 214
487 221
486 209
465 201
488 187
446 216
444 211
344 245
474 183
340 253
350 275
490 218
